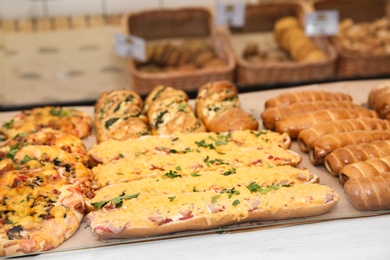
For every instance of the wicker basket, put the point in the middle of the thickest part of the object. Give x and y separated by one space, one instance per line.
355 64
183 23
260 19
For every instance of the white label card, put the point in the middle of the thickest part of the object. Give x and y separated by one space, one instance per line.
324 23
230 14
130 46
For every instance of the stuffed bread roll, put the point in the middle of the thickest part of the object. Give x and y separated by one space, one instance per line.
328 143
119 116
293 125
379 100
349 154
368 168
218 106
307 137
371 193
170 113
271 115
304 96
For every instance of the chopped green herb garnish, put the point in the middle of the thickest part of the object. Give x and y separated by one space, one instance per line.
230 192
231 171
8 124
26 159
172 174
236 202
171 198
195 174
117 201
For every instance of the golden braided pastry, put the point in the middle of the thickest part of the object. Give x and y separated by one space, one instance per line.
307 137
379 100
218 106
372 193
286 99
328 143
293 125
271 115
349 154
368 168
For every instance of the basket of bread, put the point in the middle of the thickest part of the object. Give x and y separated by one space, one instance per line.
272 46
363 41
183 49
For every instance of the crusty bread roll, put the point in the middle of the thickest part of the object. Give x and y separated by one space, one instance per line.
328 143
307 137
119 116
379 100
365 169
271 115
349 154
169 112
305 95
293 125
218 106
371 193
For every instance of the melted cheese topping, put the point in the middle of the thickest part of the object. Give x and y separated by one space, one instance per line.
209 205
189 163
222 142
208 179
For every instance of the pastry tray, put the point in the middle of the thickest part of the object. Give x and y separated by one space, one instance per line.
252 102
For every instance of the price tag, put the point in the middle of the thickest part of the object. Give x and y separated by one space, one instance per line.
130 46
322 23
230 14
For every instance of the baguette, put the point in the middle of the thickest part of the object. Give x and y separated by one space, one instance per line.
365 169
307 137
379 100
304 96
271 115
328 143
154 213
372 193
343 156
217 105
293 125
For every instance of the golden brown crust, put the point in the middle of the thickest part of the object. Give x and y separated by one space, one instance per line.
326 144
233 119
379 100
365 169
218 106
304 96
293 125
371 193
307 137
349 154
271 115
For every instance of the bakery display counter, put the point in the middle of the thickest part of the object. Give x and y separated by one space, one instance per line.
336 226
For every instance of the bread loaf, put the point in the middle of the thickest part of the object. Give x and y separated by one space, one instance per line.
304 96
307 137
293 125
349 154
328 143
218 106
371 193
271 115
